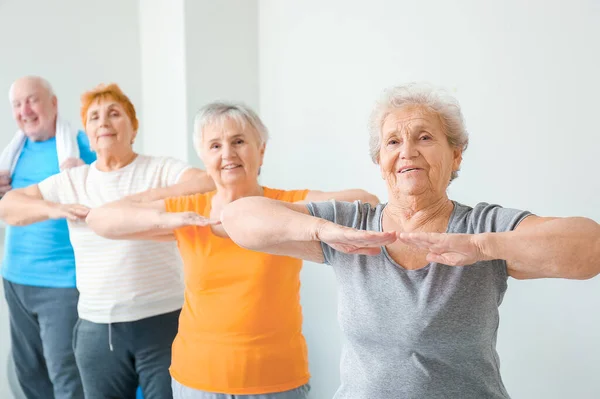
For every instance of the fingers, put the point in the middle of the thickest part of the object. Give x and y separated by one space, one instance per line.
365 238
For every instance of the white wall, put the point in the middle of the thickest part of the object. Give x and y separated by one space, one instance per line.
163 67
527 77
221 56
75 44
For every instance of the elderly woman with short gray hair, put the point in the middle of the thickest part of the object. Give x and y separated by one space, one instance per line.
240 330
420 278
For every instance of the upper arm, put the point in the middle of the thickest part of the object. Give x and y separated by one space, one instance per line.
32 192
307 250
530 222
195 181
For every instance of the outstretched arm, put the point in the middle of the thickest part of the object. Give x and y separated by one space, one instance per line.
25 206
130 220
537 248
282 228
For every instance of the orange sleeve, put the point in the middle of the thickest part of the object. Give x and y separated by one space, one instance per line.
286 195
186 203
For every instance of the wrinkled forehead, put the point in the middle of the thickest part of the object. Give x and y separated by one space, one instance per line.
410 118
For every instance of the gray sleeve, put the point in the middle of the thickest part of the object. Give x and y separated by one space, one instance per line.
487 218
349 214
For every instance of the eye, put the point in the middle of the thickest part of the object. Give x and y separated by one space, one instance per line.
239 141
425 137
214 145
393 142
93 117
114 113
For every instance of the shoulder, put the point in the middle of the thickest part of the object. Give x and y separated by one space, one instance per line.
350 214
484 218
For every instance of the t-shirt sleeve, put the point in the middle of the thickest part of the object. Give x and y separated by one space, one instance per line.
349 214
86 154
487 218
53 188
171 171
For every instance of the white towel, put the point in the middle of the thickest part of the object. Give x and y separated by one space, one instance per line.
66 146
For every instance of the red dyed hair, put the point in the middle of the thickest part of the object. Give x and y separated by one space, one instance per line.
106 92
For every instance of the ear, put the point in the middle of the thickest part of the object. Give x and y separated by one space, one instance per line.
54 102
262 153
457 159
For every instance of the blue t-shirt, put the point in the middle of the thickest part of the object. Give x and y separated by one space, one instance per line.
41 254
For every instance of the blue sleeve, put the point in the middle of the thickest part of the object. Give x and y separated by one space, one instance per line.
85 152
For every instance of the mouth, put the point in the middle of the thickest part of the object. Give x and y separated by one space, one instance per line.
31 119
408 170
231 166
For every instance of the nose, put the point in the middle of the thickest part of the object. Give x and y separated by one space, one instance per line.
103 120
408 150
228 151
25 108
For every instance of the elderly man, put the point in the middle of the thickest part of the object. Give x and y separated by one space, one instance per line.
39 266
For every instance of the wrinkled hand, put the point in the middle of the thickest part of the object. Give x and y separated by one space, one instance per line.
72 212
71 163
176 220
448 249
5 181
352 241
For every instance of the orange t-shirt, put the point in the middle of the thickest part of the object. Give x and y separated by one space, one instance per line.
240 329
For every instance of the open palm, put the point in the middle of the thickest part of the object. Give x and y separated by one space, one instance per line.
448 249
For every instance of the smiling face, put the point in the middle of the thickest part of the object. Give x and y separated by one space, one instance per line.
108 126
34 108
415 157
231 153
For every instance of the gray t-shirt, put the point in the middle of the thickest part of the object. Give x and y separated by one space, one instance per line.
427 333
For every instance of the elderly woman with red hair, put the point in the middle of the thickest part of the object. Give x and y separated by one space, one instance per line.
131 291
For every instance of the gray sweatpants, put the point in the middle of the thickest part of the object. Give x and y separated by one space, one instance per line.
114 358
41 330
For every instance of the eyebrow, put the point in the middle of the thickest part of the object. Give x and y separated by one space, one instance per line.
230 138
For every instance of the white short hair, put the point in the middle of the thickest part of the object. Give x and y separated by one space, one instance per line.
219 112
435 99
41 81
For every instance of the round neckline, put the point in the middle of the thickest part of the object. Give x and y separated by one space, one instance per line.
124 168
396 264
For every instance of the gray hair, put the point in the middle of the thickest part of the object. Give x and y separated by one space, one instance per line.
435 99
41 81
219 112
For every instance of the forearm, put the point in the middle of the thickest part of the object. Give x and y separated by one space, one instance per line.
561 248
200 183
17 209
125 219
262 224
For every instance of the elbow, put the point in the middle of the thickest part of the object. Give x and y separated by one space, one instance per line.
235 224
99 224
8 216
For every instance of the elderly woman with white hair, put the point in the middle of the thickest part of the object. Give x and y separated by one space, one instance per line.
420 278
240 330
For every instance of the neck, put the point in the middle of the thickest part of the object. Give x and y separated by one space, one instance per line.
43 136
229 193
414 214
109 161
